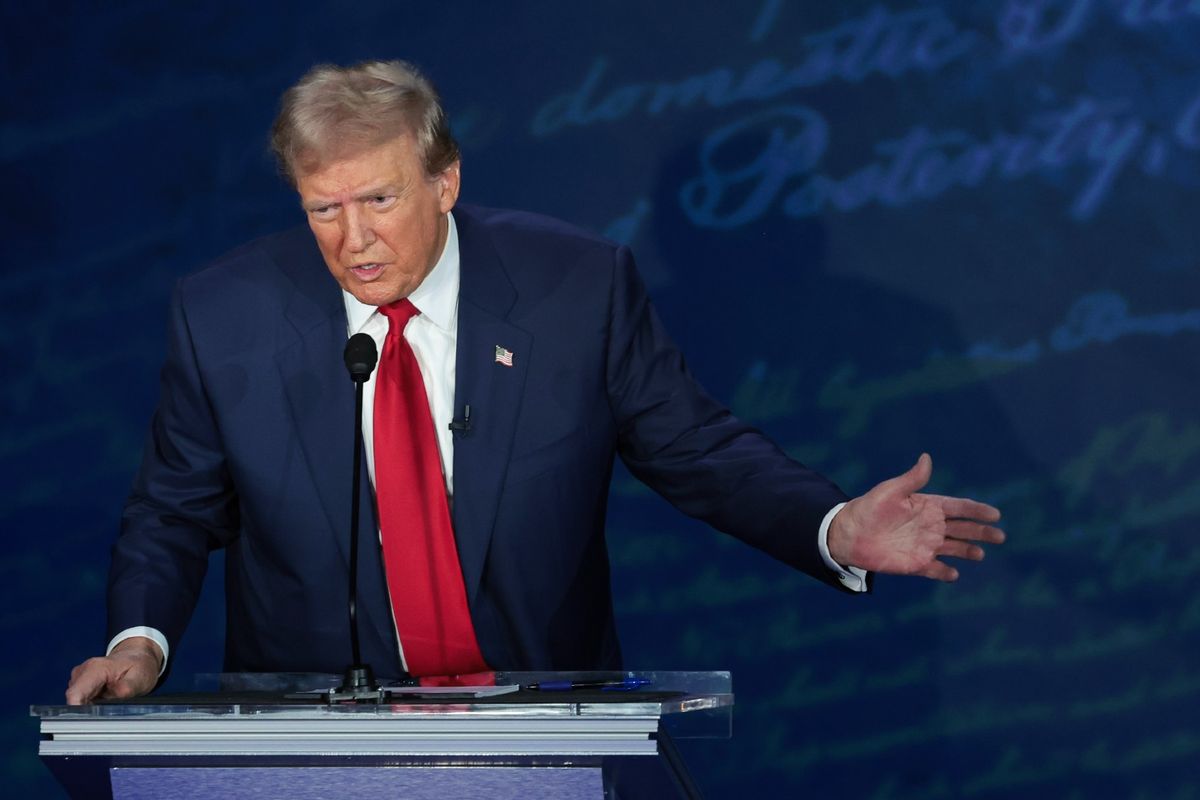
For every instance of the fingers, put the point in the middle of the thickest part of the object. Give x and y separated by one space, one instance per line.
958 549
78 694
87 681
119 676
940 572
973 532
964 508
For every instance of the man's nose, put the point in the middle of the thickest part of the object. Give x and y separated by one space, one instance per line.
359 234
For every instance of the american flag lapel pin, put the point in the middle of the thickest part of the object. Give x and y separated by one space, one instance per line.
504 356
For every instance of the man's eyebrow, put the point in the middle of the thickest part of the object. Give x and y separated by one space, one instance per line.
384 190
312 205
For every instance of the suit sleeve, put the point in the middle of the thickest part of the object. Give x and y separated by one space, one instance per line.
690 449
182 503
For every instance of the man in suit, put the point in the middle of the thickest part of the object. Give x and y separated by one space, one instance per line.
486 548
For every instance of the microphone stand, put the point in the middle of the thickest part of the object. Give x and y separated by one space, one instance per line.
359 676
358 682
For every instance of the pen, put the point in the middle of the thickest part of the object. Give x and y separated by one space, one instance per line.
619 685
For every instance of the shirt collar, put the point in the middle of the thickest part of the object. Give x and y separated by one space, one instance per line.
436 297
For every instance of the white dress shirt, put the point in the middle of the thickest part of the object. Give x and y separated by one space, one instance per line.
433 335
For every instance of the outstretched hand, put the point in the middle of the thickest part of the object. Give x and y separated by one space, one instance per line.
894 529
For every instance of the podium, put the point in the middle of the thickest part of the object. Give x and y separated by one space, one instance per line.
261 736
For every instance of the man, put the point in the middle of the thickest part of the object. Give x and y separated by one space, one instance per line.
487 548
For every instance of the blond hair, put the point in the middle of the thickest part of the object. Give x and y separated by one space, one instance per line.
334 111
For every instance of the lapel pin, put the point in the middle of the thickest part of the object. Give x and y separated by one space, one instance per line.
504 356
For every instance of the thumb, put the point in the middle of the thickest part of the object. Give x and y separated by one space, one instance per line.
916 478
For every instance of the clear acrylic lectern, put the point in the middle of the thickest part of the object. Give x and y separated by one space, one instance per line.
259 735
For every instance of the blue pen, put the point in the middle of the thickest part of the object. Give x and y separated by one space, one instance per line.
620 685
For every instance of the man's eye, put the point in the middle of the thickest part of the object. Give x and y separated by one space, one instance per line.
381 200
322 212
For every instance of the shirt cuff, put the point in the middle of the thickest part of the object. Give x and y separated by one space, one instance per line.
852 578
153 634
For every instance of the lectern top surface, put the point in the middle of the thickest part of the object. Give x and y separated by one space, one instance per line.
575 694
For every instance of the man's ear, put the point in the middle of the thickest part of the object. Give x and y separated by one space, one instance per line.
449 181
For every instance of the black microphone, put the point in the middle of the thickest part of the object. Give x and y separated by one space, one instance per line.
462 425
360 356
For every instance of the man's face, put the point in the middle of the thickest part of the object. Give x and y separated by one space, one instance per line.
379 220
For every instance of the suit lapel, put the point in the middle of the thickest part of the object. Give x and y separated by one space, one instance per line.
319 394
492 389
320 400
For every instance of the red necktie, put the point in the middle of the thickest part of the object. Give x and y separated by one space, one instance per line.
420 556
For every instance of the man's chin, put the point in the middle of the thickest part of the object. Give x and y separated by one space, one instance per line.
375 294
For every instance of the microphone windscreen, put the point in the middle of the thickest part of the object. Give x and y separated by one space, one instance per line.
361 356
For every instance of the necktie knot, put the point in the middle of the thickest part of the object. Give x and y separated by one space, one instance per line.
399 313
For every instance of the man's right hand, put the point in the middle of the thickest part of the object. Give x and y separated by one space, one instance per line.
130 670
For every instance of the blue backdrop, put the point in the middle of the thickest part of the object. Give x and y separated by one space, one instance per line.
875 228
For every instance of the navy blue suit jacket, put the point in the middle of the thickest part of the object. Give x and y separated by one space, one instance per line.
250 450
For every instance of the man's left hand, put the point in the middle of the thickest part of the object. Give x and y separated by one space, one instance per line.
894 529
